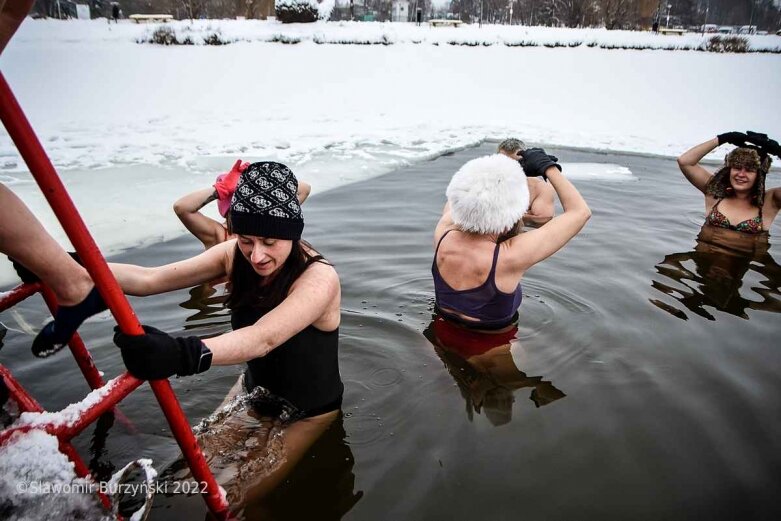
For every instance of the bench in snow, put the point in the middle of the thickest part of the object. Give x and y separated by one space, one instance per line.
139 18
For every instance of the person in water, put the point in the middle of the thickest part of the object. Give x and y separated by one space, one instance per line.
541 194
284 301
206 229
711 276
735 196
480 256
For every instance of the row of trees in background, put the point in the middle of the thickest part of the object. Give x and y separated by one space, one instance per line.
193 9
613 14
618 14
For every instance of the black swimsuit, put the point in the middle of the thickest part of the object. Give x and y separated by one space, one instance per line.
303 371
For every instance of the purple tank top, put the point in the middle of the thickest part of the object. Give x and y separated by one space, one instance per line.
488 304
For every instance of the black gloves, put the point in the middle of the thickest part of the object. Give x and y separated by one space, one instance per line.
733 138
535 162
156 355
767 145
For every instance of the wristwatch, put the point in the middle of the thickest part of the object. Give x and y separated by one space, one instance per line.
205 360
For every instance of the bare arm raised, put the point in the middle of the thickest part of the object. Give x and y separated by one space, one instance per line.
205 229
689 163
536 245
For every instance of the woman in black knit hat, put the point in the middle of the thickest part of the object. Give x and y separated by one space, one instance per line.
735 196
284 300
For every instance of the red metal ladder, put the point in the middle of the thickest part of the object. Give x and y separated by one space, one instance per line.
43 171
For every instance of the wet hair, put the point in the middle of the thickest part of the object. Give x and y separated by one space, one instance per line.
247 288
511 145
719 185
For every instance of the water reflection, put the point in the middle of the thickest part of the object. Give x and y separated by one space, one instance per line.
209 302
712 275
100 465
322 485
483 366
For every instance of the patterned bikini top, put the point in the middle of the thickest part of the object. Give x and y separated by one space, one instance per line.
716 218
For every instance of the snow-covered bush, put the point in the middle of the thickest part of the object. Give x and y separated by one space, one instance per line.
284 38
214 38
300 11
163 35
727 44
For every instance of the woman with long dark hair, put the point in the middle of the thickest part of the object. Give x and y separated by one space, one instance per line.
284 300
735 196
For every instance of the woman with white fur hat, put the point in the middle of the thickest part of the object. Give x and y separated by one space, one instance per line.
478 268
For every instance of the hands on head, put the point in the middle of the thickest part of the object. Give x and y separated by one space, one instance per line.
750 139
535 162
226 183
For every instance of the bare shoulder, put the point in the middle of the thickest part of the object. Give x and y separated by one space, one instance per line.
533 182
319 277
226 250
545 188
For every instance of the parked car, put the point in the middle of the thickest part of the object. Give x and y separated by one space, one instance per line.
726 29
710 28
747 29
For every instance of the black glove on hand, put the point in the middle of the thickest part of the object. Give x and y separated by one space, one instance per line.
733 138
535 162
769 146
157 354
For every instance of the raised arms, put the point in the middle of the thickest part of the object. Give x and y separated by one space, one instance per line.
536 245
205 229
689 163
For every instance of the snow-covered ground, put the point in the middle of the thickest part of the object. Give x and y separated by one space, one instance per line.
131 127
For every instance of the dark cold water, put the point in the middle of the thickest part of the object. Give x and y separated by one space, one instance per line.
644 381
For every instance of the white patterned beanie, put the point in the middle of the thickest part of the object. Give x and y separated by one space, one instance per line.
265 203
488 194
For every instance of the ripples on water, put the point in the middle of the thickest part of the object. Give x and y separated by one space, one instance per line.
603 404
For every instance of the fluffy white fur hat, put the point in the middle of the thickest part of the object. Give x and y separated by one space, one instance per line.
488 194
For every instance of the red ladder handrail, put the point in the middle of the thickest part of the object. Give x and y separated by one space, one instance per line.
43 171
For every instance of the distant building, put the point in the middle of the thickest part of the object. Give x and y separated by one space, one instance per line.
400 11
82 11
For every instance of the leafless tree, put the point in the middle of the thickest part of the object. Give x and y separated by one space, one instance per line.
617 13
